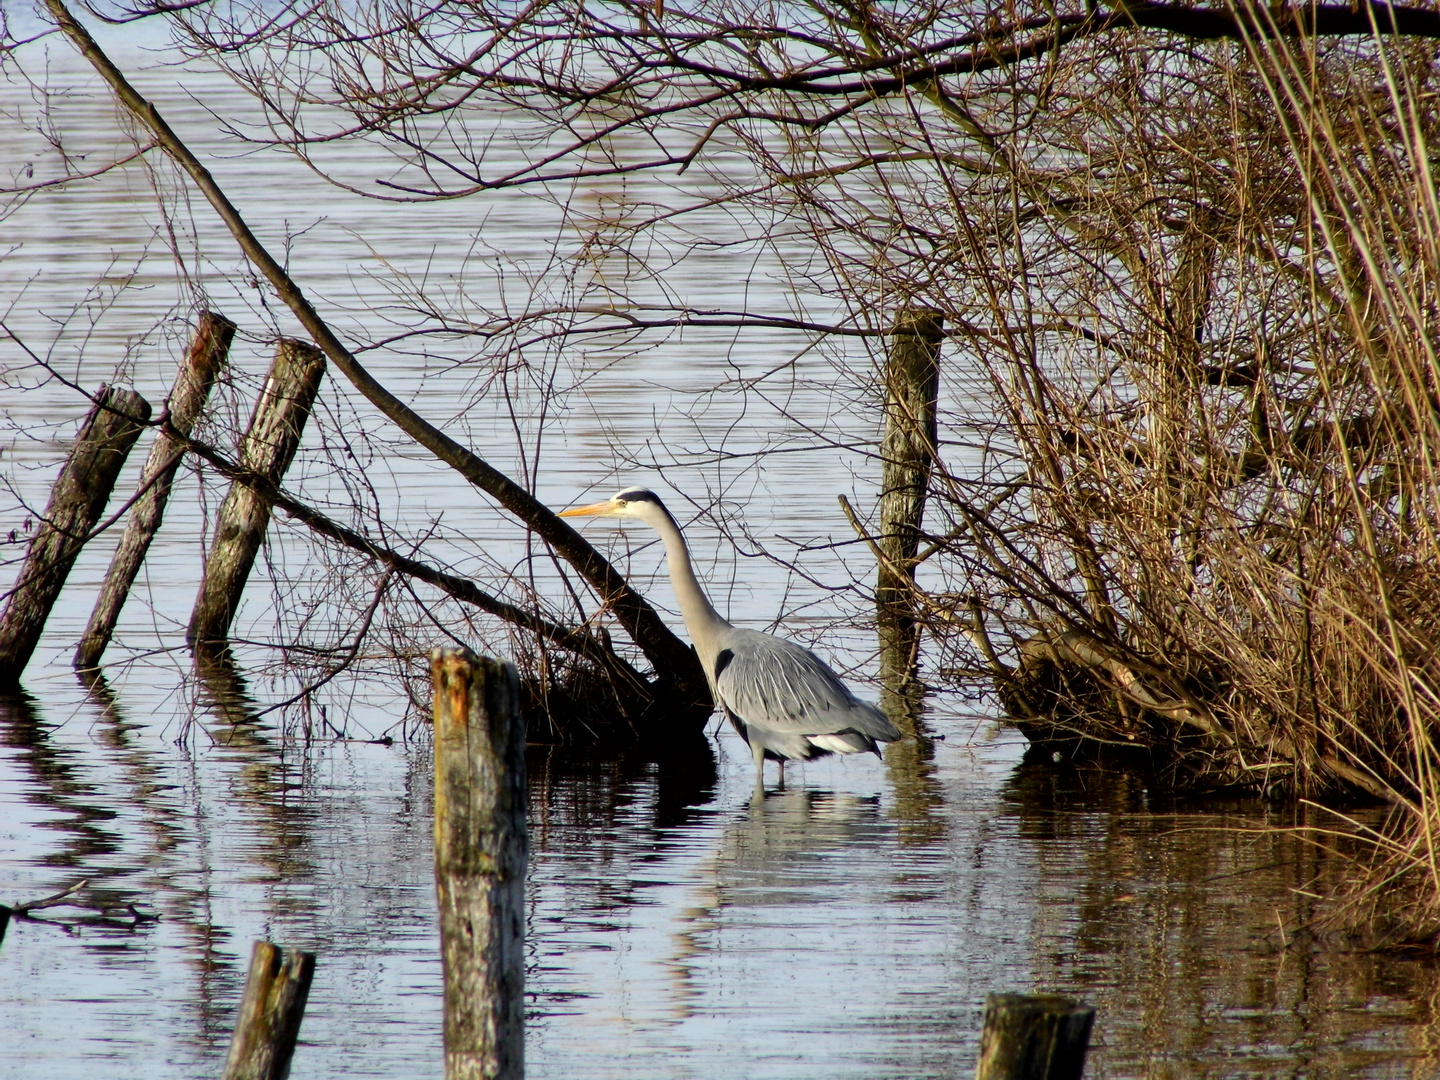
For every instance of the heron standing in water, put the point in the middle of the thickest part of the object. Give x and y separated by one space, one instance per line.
784 701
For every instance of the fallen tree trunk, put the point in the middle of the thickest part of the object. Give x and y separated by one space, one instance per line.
675 663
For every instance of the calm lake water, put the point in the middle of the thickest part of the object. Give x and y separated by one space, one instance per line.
852 930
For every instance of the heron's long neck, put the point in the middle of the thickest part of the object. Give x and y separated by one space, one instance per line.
701 620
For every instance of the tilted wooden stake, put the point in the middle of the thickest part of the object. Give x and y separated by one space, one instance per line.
76 503
480 855
912 381
203 360
269 447
270 1013
1034 1037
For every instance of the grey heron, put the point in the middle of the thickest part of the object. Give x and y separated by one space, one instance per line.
785 702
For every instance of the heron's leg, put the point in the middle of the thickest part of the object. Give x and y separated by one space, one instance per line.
782 774
757 750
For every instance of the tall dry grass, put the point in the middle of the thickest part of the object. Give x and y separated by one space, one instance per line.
1191 441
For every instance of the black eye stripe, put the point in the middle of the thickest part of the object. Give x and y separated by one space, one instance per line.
630 495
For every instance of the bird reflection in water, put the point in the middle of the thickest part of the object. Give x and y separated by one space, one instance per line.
774 857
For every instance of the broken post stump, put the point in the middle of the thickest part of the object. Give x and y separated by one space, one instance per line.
76 502
271 1009
203 361
907 452
480 855
1034 1037
268 449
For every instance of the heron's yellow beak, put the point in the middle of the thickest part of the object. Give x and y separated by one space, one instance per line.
592 510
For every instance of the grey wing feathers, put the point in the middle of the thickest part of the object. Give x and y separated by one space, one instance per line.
771 683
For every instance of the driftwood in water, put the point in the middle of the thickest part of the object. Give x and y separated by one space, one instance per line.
76 503
480 856
267 450
907 451
1034 1037
204 359
271 1009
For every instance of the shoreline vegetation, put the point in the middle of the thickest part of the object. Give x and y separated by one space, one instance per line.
1180 264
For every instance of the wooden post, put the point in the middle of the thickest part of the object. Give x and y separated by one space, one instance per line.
268 448
480 854
270 1013
1034 1037
76 503
907 451
206 356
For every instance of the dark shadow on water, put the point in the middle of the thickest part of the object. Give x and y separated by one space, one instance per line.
598 785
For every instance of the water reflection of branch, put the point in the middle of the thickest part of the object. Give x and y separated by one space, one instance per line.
53 900
1191 925
185 907
579 799
59 787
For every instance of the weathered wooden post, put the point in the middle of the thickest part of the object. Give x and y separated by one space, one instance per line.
268 448
76 503
204 359
907 452
1034 1037
480 855
271 1009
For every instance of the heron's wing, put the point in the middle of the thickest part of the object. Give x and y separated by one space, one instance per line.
771 683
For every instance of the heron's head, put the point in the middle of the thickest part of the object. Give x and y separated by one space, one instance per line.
633 502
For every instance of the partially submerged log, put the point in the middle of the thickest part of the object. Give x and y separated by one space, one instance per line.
204 359
77 500
584 688
267 450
